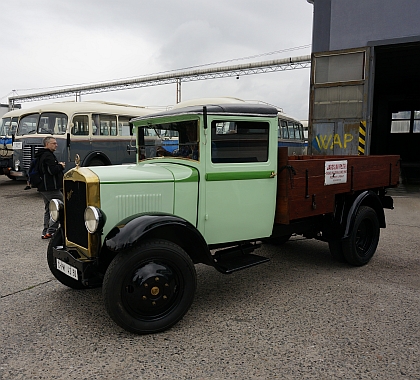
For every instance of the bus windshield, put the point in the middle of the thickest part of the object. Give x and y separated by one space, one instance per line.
47 123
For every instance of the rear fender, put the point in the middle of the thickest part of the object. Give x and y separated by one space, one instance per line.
131 231
366 198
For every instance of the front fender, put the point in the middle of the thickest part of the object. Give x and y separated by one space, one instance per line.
135 228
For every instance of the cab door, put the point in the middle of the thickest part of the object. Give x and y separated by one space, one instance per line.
240 180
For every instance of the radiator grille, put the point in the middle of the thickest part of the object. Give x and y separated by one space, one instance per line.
75 202
28 154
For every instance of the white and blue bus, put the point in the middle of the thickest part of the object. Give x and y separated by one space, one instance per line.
8 126
292 135
99 132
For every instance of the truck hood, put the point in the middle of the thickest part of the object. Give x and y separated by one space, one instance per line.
147 172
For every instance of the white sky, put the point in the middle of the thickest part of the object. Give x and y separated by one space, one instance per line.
52 43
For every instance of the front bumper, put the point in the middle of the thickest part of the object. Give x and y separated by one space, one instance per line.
14 173
87 270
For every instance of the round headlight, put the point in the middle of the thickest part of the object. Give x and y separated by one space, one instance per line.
93 219
56 207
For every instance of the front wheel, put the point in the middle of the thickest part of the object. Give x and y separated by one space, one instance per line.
360 245
56 241
150 287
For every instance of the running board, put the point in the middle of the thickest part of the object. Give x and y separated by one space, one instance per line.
236 258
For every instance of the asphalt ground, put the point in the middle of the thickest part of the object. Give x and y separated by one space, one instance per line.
299 316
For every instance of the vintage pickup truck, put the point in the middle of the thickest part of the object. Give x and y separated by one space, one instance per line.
213 198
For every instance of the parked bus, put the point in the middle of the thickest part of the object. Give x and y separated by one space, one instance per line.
292 134
8 126
99 132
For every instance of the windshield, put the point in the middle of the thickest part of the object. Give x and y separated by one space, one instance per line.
179 140
54 123
28 124
8 126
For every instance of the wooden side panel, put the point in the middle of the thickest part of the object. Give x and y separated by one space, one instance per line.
308 195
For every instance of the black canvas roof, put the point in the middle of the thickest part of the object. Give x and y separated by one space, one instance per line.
228 109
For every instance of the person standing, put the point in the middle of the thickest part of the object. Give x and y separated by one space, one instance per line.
52 181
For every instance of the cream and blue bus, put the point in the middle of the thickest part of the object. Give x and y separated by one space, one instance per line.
99 132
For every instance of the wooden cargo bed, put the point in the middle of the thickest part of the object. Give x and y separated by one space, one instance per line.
307 185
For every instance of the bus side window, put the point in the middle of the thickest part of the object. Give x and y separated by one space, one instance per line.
284 131
291 129
95 124
124 126
80 125
299 131
108 125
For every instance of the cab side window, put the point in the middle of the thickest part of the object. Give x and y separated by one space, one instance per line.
239 141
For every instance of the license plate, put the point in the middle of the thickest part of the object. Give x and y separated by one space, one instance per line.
67 269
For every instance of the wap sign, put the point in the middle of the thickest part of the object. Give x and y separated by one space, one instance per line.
337 138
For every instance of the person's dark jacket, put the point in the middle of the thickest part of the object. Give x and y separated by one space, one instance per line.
51 170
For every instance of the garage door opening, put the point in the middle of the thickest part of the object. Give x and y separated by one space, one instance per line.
396 106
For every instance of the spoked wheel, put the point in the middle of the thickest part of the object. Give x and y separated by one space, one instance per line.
361 244
149 288
56 241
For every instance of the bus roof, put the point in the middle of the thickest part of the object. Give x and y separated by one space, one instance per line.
13 113
71 107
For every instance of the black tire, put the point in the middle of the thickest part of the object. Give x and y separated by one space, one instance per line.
55 241
11 177
150 287
336 250
361 244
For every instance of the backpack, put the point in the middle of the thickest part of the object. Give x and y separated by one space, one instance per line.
34 173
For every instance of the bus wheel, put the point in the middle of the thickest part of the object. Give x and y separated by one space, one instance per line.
96 162
150 287
56 241
361 244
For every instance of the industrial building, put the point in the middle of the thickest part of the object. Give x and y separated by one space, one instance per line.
365 79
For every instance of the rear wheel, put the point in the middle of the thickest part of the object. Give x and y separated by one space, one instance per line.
150 287
57 240
361 244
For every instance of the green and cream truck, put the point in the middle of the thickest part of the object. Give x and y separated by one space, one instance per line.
214 197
